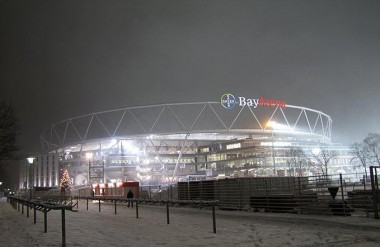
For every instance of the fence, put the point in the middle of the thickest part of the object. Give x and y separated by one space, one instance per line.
332 195
45 207
117 201
348 194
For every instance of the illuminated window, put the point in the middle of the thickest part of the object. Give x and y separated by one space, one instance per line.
233 146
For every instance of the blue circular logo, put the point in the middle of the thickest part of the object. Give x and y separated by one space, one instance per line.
228 101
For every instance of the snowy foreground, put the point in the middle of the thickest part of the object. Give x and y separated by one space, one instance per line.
188 227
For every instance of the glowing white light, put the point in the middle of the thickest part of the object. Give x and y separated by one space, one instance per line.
233 146
30 160
277 144
89 155
150 137
270 124
146 162
316 151
276 126
129 147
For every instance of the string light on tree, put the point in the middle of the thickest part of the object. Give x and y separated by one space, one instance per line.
66 181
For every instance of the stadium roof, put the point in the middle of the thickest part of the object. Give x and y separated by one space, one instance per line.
195 120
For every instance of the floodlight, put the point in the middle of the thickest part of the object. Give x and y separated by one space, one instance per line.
276 126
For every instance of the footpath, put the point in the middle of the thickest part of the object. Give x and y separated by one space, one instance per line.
188 227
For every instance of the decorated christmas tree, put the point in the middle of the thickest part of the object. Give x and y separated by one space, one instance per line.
66 181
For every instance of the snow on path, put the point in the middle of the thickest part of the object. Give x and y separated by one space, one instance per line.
188 227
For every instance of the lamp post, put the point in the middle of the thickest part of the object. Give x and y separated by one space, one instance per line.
89 156
29 176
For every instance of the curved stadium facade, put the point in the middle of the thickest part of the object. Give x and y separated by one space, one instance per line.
166 143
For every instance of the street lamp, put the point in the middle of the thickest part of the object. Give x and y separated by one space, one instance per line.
30 160
29 176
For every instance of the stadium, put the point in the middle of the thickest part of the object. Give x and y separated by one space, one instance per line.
167 143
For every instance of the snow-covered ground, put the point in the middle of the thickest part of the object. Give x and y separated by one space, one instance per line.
188 227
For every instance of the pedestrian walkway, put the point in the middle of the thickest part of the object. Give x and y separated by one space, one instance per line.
188 227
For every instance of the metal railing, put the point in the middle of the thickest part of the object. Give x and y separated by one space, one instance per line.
45 207
117 201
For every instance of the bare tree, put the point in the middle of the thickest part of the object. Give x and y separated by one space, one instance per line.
372 141
289 162
323 157
8 131
361 153
296 156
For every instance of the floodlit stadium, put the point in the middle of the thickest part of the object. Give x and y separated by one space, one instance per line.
165 143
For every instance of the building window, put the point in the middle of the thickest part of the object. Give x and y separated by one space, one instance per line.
233 146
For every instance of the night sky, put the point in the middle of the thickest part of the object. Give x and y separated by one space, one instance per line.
61 59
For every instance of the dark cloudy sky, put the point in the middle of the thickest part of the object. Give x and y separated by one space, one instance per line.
60 59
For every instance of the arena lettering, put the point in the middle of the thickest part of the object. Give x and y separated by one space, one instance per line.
249 102
272 103
229 101
243 101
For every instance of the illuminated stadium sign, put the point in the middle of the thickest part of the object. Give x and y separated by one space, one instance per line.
229 101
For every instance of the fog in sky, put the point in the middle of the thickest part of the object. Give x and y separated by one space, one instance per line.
61 59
